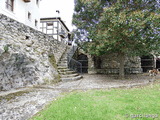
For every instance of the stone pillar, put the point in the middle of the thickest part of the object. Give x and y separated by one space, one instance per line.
91 66
154 61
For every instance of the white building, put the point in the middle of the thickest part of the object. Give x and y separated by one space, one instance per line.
24 11
56 28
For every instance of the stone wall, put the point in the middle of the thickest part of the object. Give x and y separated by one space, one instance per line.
27 57
109 64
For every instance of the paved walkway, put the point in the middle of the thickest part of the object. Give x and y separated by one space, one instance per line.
23 103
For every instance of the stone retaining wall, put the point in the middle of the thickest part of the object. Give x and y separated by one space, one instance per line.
116 70
27 57
110 64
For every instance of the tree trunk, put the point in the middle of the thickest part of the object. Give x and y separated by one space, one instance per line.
121 67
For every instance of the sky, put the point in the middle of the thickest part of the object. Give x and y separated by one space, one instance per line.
66 7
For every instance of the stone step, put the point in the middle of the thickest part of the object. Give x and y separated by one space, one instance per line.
64 70
71 78
61 63
67 72
62 67
64 58
69 75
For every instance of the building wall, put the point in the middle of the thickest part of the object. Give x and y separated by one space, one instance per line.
27 57
55 29
20 12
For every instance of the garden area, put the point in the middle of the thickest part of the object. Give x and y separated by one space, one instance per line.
140 103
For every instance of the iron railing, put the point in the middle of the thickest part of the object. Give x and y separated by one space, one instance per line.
72 63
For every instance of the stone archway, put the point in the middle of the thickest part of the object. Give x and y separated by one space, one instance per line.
83 59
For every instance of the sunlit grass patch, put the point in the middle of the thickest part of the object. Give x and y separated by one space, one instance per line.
115 104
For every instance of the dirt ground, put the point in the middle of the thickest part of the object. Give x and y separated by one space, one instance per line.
21 104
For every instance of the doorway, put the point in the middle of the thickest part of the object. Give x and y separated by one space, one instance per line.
147 63
158 63
83 59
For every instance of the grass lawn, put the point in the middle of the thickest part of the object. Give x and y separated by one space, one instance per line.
141 103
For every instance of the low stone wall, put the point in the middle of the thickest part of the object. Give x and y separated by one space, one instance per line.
27 57
110 64
116 71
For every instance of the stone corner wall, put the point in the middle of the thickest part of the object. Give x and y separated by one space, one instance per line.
24 55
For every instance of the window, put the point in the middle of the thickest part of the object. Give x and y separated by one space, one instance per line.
10 4
29 16
37 2
27 0
50 24
36 23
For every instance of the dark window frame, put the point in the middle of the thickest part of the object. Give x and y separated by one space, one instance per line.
36 23
29 16
10 5
37 2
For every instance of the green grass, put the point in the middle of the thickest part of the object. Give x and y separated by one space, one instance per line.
114 104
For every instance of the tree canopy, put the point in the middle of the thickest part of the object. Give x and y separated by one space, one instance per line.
126 27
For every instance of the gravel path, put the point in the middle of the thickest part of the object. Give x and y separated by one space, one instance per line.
23 103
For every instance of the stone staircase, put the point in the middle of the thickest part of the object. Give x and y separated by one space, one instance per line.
65 73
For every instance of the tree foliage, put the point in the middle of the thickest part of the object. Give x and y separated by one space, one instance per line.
127 31
86 17
127 27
